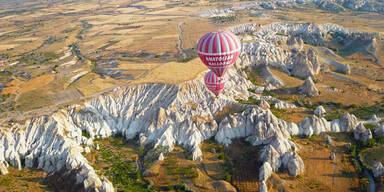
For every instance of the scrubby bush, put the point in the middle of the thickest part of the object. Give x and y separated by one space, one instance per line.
228 177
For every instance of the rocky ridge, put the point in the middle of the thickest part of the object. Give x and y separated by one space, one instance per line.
160 116
264 46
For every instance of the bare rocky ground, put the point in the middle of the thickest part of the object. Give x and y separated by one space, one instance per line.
293 99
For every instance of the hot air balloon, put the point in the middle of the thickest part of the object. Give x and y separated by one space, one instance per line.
214 83
218 50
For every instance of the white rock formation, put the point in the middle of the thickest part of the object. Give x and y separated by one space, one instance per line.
161 157
106 185
320 111
346 69
347 123
308 88
378 169
305 64
3 168
216 12
380 130
272 81
293 163
54 145
284 105
329 5
361 133
158 113
263 187
315 125
333 156
374 118
244 28
265 171
264 104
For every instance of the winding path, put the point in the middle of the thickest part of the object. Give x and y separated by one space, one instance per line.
180 39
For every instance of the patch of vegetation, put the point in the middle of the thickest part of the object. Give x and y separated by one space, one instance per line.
225 19
76 51
281 34
4 56
181 188
303 103
371 156
228 110
7 104
35 58
5 181
85 134
184 60
171 5
52 39
4 97
316 185
250 101
228 177
93 66
278 112
173 168
269 93
334 110
55 68
366 112
370 126
109 43
118 167
332 115
251 76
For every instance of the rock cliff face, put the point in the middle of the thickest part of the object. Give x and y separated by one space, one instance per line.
160 115
51 144
272 82
294 163
304 64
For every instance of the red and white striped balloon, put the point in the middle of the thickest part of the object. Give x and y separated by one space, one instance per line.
214 83
218 50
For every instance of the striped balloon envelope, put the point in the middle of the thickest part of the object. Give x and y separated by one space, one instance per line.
214 83
218 50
